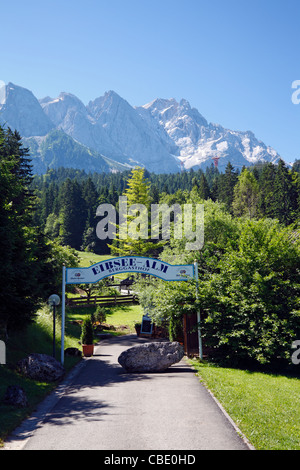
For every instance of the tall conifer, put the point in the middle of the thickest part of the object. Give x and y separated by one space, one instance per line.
73 214
226 186
137 192
284 205
23 251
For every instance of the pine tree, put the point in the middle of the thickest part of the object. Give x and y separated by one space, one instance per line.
72 215
296 166
226 186
214 191
246 194
204 191
284 205
24 253
266 190
137 223
90 196
211 174
154 194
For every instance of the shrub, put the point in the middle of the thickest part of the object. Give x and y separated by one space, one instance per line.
87 332
251 303
100 314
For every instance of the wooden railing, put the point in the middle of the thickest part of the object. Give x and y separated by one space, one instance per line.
102 300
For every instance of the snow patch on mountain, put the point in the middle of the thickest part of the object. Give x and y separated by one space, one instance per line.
199 142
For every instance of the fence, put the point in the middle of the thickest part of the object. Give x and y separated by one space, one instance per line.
102 300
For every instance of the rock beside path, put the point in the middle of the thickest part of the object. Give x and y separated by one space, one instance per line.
41 367
15 396
151 357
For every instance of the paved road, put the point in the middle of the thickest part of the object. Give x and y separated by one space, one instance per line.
101 406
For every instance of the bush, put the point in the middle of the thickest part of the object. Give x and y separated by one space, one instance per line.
87 332
100 314
251 303
176 328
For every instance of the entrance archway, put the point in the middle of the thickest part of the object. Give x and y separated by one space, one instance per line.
127 264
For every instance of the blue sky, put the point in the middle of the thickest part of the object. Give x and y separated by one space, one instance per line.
234 60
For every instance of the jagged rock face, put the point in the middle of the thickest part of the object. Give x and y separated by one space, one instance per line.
69 114
110 126
160 136
151 357
21 111
199 141
132 134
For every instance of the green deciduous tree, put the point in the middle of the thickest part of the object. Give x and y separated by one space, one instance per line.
251 300
249 288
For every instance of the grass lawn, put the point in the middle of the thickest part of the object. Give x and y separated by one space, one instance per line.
119 316
266 407
125 315
86 258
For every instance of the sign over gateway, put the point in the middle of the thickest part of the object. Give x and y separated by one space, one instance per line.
128 264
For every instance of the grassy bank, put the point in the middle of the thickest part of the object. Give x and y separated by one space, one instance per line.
266 407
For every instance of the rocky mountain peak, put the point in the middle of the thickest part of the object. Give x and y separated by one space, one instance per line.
159 135
21 110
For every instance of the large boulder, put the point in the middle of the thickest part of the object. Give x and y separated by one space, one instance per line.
151 357
41 367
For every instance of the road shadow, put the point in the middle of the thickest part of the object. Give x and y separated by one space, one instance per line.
72 408
100 372
73 403
67 404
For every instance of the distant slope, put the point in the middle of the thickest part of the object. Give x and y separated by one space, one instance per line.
58 149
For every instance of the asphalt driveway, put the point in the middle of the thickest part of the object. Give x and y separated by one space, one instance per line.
101 407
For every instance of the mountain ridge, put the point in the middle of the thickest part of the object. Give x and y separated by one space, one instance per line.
162 136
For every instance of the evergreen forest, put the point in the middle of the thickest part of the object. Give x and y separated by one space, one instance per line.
67 199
